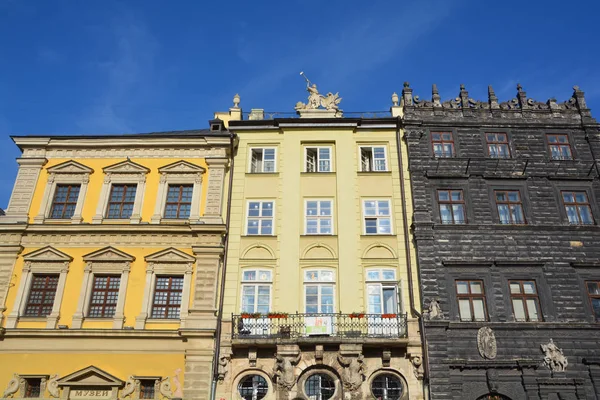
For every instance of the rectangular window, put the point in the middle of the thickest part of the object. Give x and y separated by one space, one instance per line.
497 144
41 295
318 217
510 207
593 288
105 293
377 217
382 291
179 201
120 203
578 208
65 200
525 301
471 300
373 158
167 297
443 144
452 206
319 291
260 218
559 146
147 389
33 387
262 160
318 159
256 291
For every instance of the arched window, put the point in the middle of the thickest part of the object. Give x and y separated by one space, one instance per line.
253 387
319 387
491 396
387 387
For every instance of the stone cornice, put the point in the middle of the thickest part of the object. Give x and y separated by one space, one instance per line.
123 228
106 333
485 364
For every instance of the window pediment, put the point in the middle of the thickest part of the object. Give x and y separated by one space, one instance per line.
126 167
47 254
181 167
108 254
90 376
70 167
169 256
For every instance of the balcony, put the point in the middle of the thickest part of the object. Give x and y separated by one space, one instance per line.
307 327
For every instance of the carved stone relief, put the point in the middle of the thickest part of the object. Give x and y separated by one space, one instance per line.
12 387
486 342
178 393
224 361
130 385
554 358
353 373
165 388
284 370
52 386
434 310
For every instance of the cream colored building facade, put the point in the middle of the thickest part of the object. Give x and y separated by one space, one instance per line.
317 298
110 252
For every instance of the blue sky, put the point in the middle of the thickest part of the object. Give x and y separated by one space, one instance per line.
94 67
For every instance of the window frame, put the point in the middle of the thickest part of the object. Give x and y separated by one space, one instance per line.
260 218
577 205
318 159
521 202
168 305
319 283
549 145
106 292
382 283
66 203
452 140
592 296
497 143
379 374
318 217
371 167
451 203
470 296
377 217
45 290
179 202
308 377
256 283
122 202
262 148
524 297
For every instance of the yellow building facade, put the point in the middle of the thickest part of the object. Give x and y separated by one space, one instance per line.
321 295
110 252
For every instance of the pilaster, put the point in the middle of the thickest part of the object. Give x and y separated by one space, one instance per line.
22 194
8 257
213 212
202 313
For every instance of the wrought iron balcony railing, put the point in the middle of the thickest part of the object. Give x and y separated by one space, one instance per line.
288 326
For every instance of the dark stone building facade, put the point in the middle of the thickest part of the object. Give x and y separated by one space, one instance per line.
506 222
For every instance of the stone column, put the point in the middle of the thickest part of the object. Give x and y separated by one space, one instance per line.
22 194
8 256
213 212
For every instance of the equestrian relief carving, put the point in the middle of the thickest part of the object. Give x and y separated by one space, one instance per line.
554 357
316 100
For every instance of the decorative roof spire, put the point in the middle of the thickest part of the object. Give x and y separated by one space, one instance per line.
395 99
522 97
492 99
464 96
435 96
236 101
407 98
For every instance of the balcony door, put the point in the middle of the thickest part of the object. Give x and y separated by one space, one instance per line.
319 301
382 302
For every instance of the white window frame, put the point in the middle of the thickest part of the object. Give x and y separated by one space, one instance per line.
381 282
378 217
318 217
268 282
371 167
262 164
320 283
260 218
317 163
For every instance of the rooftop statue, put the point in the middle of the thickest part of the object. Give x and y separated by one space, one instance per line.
316 100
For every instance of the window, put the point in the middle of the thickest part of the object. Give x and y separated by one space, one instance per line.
147 389
593 288
260 218
559 146
318 217
578 208
65 200
318 159
387 387
382 291
452 206
373 158
33 387
105 293
497 144
179 201
443 144
377 218
510 207
167 297
41 295
120 203
253 387
262 160
525 301
319 291
319 387
471 300
256 291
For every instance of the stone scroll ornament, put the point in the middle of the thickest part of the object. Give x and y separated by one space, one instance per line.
554 358
129 387
284 370
52 386
486 342
12 387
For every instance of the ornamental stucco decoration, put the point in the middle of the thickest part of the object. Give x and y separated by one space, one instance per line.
284 370
316 100
129 387
486 342
554 358
178 393
12 387
354 371
52 386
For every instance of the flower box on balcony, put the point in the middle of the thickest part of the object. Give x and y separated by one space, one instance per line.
251 315
273 315
357 315
388 315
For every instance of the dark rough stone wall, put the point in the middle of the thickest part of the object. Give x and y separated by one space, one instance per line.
560 257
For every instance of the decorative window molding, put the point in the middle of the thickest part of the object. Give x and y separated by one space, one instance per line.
103 262
28 386
80 383
69 172
180 172
47 260
166 262
124 172
142 387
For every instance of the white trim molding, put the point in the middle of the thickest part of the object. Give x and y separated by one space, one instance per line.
166 262
124 172
69 172
180 172
104 261
42 261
